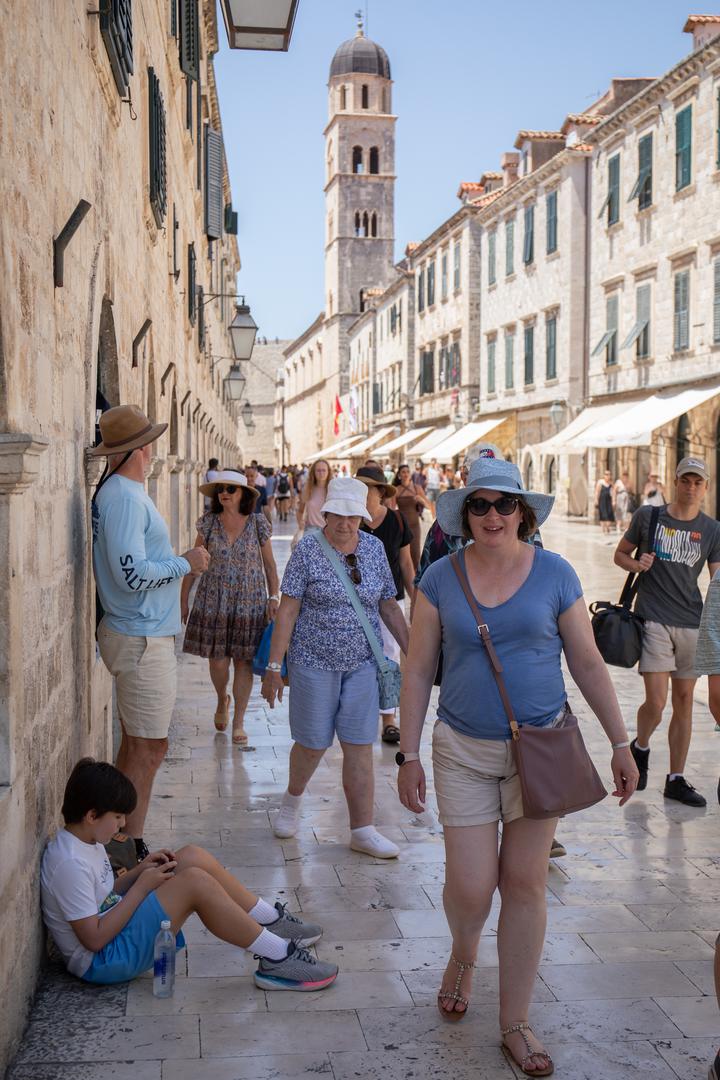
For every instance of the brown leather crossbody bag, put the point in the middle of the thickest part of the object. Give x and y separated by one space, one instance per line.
557 776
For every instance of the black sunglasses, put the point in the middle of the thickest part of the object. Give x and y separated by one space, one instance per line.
505 505
355 575
230 489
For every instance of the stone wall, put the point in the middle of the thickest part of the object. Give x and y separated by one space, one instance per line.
267 359
67 135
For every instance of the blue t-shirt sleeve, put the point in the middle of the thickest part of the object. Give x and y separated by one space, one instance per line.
569 588
296 577
124 533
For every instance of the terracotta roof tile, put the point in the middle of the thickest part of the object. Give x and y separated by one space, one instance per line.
699 20
523 135
485 200
471 185
491 176
583 118
580 146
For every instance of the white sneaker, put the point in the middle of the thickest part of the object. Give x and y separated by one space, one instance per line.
286 822
376 845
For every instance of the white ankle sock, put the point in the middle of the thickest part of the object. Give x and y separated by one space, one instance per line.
364 832
675 776
292 802
263 912
641 748
269 946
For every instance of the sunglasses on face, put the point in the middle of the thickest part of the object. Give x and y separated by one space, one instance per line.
355 575
230 489
505 505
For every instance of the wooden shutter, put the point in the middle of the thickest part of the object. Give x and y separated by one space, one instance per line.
116 30
491 258
645 147
214 198
201 318
491 367
189 38
509 248
716 302
529 241
529 355
683 147
192 285
551 348
682 310
611 310
551 229
613 199
158 149
509 360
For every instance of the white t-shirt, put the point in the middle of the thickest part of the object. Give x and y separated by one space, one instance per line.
76 881
433 477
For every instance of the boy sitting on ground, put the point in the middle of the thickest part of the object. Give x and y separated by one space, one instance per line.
105 927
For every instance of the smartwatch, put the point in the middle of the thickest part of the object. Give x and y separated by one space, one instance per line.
401 758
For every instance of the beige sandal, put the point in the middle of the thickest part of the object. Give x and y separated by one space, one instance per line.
223 715
239 735
546 1070
454 995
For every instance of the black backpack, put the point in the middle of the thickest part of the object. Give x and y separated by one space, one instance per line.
283 485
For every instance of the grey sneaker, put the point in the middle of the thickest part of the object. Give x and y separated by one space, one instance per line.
290 928
298 971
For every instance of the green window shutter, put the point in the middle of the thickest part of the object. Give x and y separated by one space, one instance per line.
431 283
509 248
199 136
492 242
456 266
683 147
643 318
192 285
509 361
189 39
716 302
613 198
116 30
421 289
681 335
551 222
529 239
529 337
455 367
611 309
491 367
551 348
158 149
201 318
230 224
642 188
214 197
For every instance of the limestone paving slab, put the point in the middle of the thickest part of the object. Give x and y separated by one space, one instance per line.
424 985
198 997
132 1038
693 1016
700 973
362 898
234 1036
360 990
642 947
291 1066
430 1063
104 1070
569 982
688 1058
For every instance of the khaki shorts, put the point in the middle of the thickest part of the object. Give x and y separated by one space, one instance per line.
145 670
476 782
669 648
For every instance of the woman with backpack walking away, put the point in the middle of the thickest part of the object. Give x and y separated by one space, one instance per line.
283 493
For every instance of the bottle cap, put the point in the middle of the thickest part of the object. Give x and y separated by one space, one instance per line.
165 924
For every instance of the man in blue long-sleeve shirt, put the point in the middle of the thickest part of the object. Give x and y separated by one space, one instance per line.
138 582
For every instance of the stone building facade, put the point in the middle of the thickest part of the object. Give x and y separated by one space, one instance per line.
260 390
118 314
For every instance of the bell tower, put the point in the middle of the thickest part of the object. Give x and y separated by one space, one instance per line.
359 177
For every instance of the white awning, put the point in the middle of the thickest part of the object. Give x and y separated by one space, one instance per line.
467 436
561 443
436 436
331 451
635 426
366 444
407 437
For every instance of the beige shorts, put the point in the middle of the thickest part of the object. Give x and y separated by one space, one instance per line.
145 670
476 782
669 648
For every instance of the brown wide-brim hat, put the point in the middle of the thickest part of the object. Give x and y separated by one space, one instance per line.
124 428
375 478
227 476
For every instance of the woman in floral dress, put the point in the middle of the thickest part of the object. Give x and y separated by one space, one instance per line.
231 606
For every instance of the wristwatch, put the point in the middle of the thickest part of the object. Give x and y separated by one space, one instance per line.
274 598
401 758
273 666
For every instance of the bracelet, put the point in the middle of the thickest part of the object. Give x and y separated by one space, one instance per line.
620 745
274 598
273 666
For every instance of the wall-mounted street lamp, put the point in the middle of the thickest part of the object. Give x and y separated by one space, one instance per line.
247 415
259 24
234 383
556 413
242 330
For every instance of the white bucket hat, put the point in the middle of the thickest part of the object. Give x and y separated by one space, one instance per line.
497 476
227 476
346 497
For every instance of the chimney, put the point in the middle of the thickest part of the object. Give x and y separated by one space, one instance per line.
703 29
510 163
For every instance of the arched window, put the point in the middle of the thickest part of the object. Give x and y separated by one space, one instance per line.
362 303
357 159
365 96
365 224
374 159
682 439
358 224
373 224
343 97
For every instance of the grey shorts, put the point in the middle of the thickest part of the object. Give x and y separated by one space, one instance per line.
432 494
328 703
669 648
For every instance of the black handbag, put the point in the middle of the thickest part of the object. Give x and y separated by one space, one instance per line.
617 629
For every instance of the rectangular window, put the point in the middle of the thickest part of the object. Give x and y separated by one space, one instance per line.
529 240
431 283
529 336
683 148
492 239
681 311
399 316
612 199
551 223
456 266
608 341
427 372
491 366
551 347
639 336
158 152
509 361
117 34
421 289
455 364
444 275
642 188
509 248
716 302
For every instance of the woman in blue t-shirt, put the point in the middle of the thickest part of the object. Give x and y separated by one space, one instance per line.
535 612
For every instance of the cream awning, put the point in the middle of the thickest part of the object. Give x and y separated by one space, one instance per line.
561 443
404 439
366 444
636 424
467 436
436 436
331 451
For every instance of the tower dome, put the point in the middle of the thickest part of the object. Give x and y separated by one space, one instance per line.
360 55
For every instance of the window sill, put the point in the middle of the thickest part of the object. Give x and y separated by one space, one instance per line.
510 277
492 286
509 391
528 387
529 267
551 256
612 367
685 193
456 292
491 395
554 381
682 354
616 227
643 361
645 211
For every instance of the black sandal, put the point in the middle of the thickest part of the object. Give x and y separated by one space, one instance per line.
390 734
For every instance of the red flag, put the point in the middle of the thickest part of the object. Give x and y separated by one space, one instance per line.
338 411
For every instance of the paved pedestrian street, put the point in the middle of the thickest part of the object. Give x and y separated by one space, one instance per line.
625 986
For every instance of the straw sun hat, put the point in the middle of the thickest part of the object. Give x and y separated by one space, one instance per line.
227 476
124 428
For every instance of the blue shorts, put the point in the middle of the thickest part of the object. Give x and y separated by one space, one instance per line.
326 703
131 951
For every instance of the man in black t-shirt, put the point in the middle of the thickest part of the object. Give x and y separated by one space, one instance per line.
671 603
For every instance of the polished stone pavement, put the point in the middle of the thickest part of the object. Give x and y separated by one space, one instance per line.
624 990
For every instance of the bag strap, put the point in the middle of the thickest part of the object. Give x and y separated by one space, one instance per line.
632 582
338 567
484 632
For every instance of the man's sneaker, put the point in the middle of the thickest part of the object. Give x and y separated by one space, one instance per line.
141 849
557 850
642 757
376 845
714 1073
682 791
298 971
290 928
286 822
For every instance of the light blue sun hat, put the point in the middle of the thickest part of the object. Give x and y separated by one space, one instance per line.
494 475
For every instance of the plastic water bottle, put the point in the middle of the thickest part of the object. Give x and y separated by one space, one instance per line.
164 967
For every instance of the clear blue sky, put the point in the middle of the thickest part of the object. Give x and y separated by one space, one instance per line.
468 74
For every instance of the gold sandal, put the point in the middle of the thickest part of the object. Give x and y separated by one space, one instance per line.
546 1070
223 715
454 995
239 735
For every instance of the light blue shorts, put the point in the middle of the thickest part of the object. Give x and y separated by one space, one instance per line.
131 951
326 703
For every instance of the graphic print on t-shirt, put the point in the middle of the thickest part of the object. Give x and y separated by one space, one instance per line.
678 545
